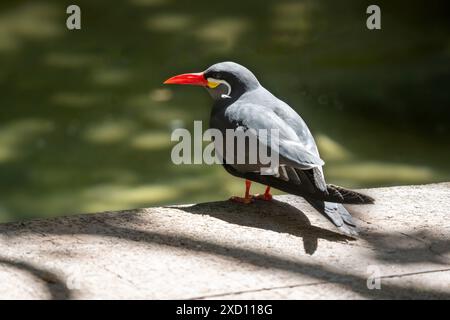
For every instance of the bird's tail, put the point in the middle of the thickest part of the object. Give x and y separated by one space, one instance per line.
342 195
337 214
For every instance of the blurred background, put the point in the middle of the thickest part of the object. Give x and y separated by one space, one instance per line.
85 121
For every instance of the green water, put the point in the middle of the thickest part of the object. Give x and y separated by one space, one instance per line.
85 122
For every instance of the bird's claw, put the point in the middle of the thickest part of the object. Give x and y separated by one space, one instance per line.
242 200
265 197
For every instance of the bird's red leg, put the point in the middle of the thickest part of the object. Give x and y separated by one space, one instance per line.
247 198
266 196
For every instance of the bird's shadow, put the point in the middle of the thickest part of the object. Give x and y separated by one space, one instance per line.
274 215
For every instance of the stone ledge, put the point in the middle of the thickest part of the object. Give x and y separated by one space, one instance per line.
222 250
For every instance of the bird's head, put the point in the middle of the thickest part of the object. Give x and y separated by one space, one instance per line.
223 80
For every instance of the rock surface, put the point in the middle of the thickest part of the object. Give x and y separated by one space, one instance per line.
223 250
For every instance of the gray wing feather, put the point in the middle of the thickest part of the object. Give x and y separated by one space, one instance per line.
292 150
337 214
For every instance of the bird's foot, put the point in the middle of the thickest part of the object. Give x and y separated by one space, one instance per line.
265 197
246 200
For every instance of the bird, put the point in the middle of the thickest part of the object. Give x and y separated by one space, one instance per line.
242 103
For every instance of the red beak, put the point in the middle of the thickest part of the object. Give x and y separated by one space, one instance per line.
195 79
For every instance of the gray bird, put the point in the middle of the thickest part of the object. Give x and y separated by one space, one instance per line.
242 103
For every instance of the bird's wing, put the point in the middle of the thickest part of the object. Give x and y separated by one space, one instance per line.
292 150
265 98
